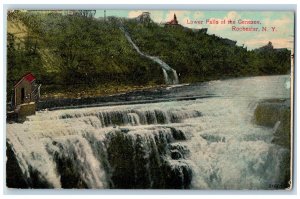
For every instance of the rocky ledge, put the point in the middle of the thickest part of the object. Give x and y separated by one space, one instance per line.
276 113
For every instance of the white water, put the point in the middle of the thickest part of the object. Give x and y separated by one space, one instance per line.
171 78
227 151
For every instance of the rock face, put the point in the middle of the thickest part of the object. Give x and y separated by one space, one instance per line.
277 115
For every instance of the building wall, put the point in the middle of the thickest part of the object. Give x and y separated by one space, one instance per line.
27 86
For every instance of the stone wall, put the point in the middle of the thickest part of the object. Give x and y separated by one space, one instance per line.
26 110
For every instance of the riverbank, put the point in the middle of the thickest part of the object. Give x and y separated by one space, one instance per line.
103 95
107 58
113 94
50 92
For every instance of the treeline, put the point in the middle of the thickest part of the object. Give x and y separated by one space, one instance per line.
197 56
79 49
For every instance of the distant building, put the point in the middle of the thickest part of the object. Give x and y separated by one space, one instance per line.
173 22
144 17
265 48
270 48
26 90
202 30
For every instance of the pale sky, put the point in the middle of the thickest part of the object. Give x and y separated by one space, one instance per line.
281 37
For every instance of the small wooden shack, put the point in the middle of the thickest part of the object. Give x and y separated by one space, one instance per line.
26 90
26 94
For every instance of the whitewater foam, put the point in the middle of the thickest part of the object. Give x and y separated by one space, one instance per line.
208 143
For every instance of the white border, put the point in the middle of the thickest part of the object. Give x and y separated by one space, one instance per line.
134 4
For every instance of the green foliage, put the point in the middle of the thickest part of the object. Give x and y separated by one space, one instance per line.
197 56
79 49
21 60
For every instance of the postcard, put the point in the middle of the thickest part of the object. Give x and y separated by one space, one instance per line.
149 99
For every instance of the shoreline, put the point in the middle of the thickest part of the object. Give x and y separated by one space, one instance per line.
124 96
84 91
113 94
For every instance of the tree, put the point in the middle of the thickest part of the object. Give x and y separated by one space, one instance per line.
86 13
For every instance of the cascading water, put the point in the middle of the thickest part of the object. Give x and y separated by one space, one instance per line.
170 74
208 143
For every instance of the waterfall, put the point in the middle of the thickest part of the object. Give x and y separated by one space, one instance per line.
170 74
208 143
111 147
176 79
166 77
163 145
115 158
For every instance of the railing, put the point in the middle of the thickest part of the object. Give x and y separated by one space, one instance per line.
35 94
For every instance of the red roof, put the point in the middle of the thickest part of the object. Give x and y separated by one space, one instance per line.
173 21
28 77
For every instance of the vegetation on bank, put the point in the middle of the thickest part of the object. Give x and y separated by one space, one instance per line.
197 56
81 52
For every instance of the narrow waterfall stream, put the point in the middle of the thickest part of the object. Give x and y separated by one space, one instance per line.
170 74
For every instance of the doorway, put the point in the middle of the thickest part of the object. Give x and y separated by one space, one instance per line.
22 95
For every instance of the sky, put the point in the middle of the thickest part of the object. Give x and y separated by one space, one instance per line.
279 24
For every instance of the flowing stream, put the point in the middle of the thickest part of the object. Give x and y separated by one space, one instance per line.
170 74
206 143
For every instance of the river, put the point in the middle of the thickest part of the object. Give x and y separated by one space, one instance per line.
201 137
